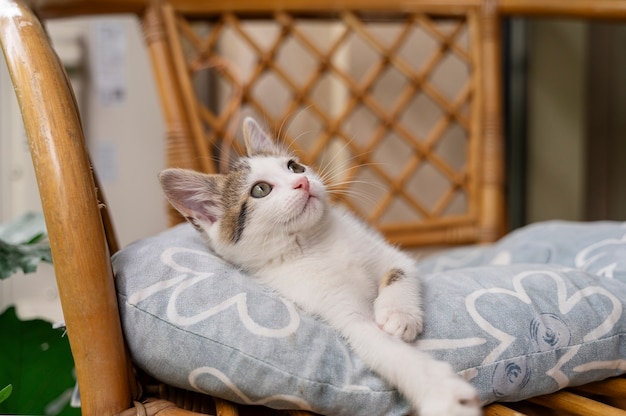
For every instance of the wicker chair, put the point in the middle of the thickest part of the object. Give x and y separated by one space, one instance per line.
82 239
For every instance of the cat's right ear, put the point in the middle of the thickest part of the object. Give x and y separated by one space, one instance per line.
257 141
195 195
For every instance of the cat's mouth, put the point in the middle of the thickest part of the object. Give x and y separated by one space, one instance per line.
309 201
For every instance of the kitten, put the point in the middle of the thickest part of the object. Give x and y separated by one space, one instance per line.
270 215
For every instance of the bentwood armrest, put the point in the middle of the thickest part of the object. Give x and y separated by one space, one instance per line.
71 210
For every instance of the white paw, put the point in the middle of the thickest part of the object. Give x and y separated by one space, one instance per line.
449 395
401 323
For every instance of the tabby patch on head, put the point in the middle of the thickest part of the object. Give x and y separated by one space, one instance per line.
206 199
235 203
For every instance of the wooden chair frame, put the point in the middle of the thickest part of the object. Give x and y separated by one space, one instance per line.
82 238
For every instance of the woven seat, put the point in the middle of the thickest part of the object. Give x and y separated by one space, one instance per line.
402 173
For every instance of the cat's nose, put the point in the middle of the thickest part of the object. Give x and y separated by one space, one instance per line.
302 183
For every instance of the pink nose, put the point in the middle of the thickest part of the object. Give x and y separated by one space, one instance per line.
302 183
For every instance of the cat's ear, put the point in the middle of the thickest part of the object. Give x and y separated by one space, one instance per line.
195 195
257 141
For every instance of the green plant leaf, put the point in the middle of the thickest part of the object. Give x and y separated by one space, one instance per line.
23 245
36 360
5 392
23 229
22 257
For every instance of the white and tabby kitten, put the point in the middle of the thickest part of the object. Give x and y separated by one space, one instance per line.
270 216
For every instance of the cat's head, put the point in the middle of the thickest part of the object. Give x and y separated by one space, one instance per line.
267 194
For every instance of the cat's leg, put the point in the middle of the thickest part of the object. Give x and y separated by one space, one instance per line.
397 308
431 386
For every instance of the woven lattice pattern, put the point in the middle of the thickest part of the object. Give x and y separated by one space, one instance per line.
383 107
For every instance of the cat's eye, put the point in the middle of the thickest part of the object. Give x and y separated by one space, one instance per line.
295 167
261 190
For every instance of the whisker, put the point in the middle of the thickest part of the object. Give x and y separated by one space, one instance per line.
295 139
293 120
286 125
328 176
331 170
345 184
355 195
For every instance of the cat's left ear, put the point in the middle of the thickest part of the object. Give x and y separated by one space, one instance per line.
257 141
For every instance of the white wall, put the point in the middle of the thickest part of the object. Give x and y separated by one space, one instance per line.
126 138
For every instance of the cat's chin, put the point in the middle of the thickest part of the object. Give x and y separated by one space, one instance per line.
312 212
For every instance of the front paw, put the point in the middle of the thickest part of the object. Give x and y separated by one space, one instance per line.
400 323
449 395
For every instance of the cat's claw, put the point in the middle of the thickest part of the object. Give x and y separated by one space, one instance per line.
400 323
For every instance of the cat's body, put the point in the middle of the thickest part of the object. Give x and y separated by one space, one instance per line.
270 216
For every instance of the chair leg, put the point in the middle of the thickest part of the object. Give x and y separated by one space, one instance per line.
497 409
225 408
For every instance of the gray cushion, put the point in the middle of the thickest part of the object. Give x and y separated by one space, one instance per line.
538 311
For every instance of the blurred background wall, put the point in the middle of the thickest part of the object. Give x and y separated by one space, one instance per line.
566 90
